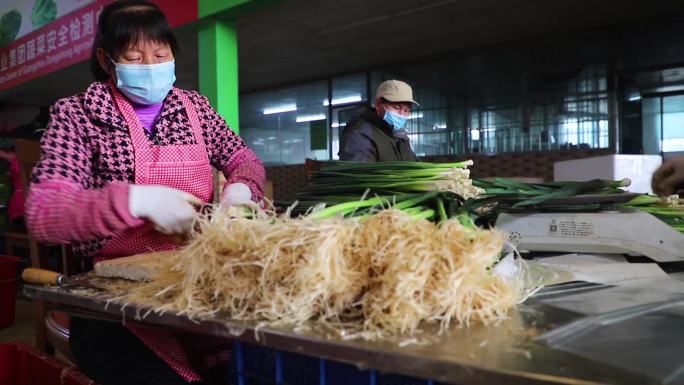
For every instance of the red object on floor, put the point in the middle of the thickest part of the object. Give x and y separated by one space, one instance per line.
8 290
62 319
21 364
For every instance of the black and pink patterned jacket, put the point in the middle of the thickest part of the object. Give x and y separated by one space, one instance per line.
79 187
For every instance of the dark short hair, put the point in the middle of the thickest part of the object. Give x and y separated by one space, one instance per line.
125 23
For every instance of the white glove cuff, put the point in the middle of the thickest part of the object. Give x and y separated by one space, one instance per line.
235 194
134 200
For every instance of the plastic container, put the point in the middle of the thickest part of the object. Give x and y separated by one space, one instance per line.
8 290
263 366
21 364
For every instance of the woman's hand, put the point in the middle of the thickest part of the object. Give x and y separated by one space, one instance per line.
669 177
170 210
237 194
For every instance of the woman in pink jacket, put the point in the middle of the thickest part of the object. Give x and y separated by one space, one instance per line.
123 166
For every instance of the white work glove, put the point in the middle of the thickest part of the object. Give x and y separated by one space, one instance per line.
170 210
237 194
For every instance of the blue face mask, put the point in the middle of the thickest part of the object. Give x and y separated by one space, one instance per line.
145 83
395 120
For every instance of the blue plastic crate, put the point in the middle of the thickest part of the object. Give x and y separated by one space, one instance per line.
256 365
338 373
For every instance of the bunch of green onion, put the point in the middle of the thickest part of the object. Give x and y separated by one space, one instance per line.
434 205
423 190
391 178
509 193
669 210
506 195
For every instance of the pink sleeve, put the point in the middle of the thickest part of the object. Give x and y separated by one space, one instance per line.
62 212
63 205
245 167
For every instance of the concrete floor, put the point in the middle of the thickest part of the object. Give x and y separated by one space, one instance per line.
24 327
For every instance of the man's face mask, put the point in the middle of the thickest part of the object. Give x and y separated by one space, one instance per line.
395 120
145 83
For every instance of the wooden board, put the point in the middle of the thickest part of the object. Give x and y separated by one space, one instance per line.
139 267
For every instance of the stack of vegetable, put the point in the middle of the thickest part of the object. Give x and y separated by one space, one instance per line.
502 194
364 260
353 178
669 210
369 277
422 190
515 194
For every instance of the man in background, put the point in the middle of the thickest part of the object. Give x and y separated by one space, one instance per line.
378 135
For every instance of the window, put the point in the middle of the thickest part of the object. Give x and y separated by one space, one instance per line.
673 123
494 112
571 114
349 93
287 125
663 124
